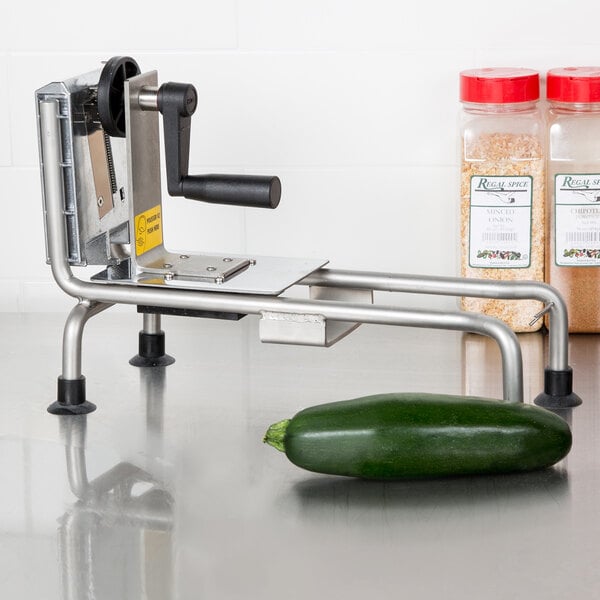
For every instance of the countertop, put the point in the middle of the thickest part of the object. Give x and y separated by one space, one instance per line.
167 491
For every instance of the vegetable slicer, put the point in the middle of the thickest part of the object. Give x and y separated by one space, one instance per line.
101 177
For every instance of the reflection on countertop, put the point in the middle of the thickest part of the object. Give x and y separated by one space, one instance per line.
115 542
478 493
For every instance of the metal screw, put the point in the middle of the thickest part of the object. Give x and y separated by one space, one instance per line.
169 276
227 259
100 200
184 256
219 280
167 265
211 268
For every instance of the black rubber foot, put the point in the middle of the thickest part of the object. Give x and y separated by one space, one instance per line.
56 408
71 398
152 351
161 361
558 390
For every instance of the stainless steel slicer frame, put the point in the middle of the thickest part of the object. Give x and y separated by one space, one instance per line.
147 275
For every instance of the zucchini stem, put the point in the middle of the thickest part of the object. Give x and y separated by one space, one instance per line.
275 435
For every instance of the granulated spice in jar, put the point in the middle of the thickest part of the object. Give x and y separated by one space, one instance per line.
525 159
573 207
502 188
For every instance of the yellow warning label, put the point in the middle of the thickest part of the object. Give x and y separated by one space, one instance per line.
148 230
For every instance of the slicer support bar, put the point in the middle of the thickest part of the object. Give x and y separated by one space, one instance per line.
108 294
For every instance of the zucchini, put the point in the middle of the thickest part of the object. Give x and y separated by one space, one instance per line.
400 436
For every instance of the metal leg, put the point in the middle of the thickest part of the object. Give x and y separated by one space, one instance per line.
151 344
71 384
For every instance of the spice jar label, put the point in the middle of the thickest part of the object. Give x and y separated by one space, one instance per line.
500 222
577 219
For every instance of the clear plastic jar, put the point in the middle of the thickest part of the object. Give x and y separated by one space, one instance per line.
573 207
502 187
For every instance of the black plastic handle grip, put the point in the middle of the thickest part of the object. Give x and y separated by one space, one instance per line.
177 102
257 191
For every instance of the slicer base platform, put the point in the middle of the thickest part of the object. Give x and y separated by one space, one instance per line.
266 276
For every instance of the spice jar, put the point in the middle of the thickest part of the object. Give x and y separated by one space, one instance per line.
502 187
573 207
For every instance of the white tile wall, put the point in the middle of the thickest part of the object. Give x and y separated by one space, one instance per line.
10 295
22 237
353 103
387 24
326 109
375 218
119 26
542 57
5 141
44 296
203 227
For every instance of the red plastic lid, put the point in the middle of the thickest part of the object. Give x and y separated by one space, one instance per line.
499 85
574 84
